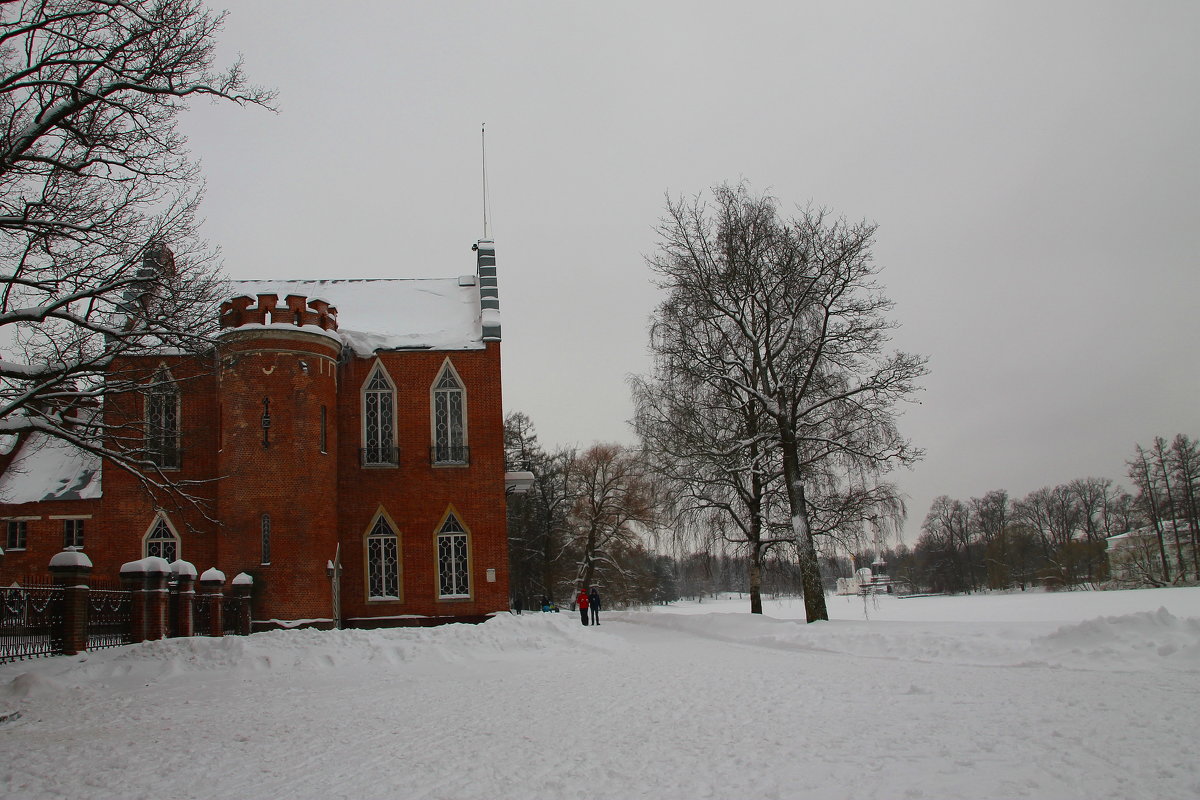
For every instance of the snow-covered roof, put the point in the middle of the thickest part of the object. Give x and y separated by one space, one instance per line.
50 469
389 313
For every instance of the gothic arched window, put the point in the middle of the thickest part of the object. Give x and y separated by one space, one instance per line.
453 555
383 561
161 541
379 420
449 418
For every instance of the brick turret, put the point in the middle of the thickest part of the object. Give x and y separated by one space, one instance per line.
278 495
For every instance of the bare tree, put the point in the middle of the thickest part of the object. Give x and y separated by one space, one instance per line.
706 444
787 313
1185 463
613 504
948 525
1093 497
537 520
990 517
98 197
1171 511
1151 499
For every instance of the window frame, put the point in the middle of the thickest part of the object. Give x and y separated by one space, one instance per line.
162 441
388 453
162 521
375 531
22 537
463 564
73 532
443 449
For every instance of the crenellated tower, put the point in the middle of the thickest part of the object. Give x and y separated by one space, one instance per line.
277 493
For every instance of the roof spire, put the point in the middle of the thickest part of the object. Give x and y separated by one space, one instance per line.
483 146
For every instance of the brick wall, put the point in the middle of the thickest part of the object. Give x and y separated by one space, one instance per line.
417 494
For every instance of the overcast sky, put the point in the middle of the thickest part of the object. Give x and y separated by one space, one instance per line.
1034 169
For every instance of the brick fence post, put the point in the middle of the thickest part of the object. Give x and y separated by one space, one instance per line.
71 569
243 584
147 579
185 597
211 583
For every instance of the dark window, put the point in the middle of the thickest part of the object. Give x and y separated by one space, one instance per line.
162 421
324 434
17 530
266 538
72 533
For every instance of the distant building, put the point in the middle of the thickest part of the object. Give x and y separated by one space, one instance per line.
868 580
346 443
1134 557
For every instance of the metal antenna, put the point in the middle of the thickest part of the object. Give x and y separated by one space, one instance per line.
483 145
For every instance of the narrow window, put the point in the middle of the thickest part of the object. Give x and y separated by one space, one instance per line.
161 541
379 421
17 531
266 538
162 421
72 533
449 418
324 433
453 579
383 562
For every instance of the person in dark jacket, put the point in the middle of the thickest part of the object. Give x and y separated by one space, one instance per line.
594 604
582 602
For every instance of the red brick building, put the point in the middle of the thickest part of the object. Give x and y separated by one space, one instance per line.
345 444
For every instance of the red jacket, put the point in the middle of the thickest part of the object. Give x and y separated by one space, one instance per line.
582 600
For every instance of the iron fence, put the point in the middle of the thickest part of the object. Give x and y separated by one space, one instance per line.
230 615
449 454
202 613
31 621
110 618
379 456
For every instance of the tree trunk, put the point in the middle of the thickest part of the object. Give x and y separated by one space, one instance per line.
755 572
810 568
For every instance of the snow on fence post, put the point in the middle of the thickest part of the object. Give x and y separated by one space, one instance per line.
147 579
211 583
243 584
184 623
70 569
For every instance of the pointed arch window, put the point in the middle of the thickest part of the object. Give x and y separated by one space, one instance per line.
161 541
383 561
453 560
379 420
162 421
449 418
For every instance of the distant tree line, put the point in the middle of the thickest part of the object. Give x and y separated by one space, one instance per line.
1056 536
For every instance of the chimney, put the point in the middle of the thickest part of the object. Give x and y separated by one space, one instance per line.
489 293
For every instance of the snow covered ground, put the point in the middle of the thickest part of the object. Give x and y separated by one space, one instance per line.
1073 695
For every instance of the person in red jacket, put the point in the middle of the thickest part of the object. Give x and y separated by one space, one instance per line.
582 602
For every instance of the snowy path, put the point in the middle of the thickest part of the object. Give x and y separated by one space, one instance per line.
650 705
